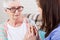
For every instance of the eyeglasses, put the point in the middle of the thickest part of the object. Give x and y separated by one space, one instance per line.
13 9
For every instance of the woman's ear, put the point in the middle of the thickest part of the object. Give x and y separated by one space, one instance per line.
6 11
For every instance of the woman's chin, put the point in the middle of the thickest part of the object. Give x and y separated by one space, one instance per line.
15 18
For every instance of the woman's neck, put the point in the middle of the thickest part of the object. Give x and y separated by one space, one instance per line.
16 23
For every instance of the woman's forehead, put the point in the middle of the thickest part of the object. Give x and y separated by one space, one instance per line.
14 4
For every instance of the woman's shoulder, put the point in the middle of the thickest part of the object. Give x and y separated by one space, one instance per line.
2 32
55 34
56 30
2 26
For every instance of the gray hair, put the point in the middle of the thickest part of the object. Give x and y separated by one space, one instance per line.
6 2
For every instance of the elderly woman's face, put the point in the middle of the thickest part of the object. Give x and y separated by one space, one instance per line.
14 10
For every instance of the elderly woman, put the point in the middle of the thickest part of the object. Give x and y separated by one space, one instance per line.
17 26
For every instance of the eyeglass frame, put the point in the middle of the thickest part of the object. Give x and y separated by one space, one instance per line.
13 9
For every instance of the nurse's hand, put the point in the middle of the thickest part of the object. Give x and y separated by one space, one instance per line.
32 34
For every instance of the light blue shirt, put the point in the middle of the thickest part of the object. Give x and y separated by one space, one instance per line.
42 34
54 35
